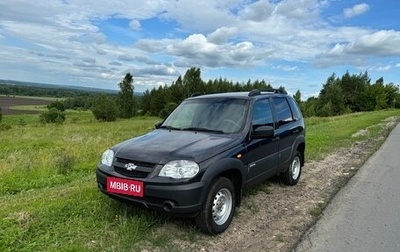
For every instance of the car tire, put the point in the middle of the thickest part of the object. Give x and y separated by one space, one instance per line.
217 213
292 174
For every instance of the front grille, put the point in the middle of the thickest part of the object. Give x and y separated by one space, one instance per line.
142 169
132 174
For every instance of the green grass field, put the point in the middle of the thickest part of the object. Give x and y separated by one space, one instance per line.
49 199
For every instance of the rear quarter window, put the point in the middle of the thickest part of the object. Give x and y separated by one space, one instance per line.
283 111
295 109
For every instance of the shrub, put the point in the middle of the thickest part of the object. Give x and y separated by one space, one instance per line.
104 109
53 115
1 115
59 105
64 162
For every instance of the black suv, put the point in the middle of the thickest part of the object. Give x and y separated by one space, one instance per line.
201 158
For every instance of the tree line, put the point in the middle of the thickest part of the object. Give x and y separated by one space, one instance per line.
350 93
26 89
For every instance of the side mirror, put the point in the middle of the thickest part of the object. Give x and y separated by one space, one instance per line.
263 132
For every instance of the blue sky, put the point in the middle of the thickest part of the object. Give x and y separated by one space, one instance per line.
293 43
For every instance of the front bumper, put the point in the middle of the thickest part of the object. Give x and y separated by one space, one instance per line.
183 200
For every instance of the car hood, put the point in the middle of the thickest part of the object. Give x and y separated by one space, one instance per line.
161 146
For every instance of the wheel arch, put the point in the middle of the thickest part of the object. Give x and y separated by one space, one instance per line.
299 145
301 148
232 169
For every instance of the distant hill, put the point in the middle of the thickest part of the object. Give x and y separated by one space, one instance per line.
45 85
59 87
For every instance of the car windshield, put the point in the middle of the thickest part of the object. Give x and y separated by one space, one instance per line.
222 115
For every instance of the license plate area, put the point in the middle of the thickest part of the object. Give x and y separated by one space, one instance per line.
125 186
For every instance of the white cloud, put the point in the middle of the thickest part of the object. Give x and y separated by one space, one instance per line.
197 50
89 60
160 70
285 68
222 35
134 25
196 43
115 63
383 68
151 45
201 16
257 11
356 10
299 10
377 68
381 43
124 57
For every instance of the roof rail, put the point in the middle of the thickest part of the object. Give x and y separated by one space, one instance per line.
204 93
255 92
197 94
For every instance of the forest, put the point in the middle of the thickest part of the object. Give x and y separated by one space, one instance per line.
350 93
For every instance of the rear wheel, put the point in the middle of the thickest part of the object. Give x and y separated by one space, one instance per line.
217 213
292 175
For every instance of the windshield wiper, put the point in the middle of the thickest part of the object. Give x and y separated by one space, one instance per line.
203 130
169 127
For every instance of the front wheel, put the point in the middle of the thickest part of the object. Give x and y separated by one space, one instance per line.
217 213
292 175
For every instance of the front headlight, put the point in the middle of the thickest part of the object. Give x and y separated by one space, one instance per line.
179 169
107 157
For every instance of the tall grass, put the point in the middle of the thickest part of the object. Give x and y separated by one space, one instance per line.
326 134
49 200
31 156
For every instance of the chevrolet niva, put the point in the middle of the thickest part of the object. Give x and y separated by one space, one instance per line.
198 162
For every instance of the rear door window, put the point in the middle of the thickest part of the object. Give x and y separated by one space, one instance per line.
262 114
